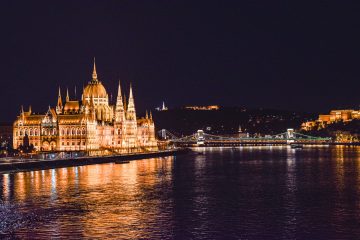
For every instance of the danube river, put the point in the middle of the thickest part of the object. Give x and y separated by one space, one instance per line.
224 193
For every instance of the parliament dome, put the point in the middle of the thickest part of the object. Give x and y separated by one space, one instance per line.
95 89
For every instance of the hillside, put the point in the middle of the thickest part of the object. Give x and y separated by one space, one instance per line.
228 120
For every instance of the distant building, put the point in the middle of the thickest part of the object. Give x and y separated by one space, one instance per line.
203 108
334 116
89 124
162 108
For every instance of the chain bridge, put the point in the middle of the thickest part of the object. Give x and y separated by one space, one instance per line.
200 138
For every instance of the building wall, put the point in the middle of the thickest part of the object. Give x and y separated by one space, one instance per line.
334 116
90 124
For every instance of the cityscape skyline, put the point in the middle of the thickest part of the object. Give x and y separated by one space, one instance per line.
180 119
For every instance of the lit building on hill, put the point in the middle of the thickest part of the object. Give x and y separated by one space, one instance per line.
334 116
203 108
89 124
162 108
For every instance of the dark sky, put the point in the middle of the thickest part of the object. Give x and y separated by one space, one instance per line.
292 55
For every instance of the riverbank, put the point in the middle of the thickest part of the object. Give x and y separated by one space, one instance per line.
30 165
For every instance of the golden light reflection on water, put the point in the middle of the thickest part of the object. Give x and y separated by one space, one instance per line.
111 195
136 200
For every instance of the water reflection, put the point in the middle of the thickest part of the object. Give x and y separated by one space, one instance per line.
247 192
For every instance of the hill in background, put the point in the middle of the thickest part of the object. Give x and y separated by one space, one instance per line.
228 120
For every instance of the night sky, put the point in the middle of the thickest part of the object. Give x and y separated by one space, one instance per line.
274 54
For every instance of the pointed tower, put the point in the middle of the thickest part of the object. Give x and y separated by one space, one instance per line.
22 113
119 108
94 74
130 110
67 95
59 105
131 137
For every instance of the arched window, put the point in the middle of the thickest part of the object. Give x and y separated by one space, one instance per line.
31 132
68 131
78 132
36 132
83 131
73 131
62 133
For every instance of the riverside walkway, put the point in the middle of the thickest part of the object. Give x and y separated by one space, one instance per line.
17 164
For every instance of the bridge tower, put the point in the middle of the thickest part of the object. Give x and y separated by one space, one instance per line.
290 136
163 134
200 139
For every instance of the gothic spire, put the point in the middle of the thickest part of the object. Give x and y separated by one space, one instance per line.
119 109
131 99
94 75
119 97
131 114
67 95
22 113
59 102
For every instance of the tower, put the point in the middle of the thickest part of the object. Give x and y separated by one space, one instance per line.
94 74
130 110
119 123
119 108
59 105
67 95
131 123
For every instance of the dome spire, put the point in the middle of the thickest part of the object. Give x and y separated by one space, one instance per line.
94 75
67 95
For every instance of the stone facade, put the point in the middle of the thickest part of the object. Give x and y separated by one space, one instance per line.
89 124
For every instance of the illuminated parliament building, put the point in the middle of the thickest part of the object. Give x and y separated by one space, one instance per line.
89 124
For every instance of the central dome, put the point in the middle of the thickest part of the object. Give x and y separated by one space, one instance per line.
95 89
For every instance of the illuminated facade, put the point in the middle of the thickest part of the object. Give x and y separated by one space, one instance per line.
334 116
203 108
89 124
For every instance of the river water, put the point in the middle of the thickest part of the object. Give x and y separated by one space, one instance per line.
224 193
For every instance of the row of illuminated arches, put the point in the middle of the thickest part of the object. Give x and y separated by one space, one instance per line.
52 131
36 132
28 132
73 131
